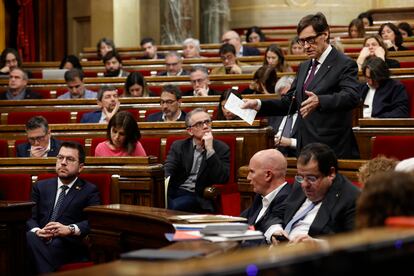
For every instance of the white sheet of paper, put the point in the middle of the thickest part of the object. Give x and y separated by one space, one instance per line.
233 105
166 183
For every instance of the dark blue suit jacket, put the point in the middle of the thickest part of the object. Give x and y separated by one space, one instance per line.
390 100
250 51
22 150
81 195
274 212
157 117
91 117
274 122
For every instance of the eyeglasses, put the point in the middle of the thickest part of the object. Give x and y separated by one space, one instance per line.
197 81
37 138
310 40
167 102
201 124
171 64
69 159
312 179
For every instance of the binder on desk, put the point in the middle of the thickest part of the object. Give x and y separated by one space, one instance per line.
205 219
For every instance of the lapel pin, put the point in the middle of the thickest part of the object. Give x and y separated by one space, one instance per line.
78 188
337 195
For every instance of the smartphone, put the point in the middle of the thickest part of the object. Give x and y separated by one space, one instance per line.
280 238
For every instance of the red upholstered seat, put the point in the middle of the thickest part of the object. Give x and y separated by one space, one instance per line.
409 86
229 203
53 117
73 266
3 148
44 93
101 180
95 142
400 147
15 186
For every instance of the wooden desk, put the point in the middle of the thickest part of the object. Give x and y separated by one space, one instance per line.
139 180
121 228
13 248
382 251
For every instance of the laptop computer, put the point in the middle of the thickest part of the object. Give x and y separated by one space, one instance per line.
53 74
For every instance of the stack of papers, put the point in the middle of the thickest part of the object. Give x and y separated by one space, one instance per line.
205 219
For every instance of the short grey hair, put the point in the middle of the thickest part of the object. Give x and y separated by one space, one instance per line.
199 68
192 112
283 82
193 41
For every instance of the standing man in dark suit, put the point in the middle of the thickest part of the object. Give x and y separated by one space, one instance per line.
267 171
322 201
17 89
324 92
194 164
58 223
40 142
170 101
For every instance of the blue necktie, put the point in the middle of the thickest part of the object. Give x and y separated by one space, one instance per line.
59 202
298 217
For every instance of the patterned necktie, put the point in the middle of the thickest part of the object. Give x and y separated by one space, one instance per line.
311 75
59 202
287 128
298 217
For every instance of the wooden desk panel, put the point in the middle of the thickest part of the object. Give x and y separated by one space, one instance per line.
13 248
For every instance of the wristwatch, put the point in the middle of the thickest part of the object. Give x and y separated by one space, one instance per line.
72 228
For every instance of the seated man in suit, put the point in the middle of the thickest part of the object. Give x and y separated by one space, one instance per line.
170 104
196 163
200 82
77 90
113 65
233 38
58 224
17 89
40 143
174 65
322 201
108 101
267 171
231 64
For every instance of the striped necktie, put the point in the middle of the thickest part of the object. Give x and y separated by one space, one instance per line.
59 202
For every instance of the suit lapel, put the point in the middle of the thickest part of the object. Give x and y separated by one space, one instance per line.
301 79
297 197
257 206
188 154
324 213
76 188
50 200
323 70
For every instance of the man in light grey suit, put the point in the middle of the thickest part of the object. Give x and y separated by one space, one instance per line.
325 91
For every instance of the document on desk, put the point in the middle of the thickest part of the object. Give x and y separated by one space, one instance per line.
233 105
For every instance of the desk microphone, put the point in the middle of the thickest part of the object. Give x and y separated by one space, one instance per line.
287 115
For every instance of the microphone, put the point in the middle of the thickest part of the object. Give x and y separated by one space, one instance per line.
287 115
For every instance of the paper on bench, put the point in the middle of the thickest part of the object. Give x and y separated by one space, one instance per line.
233 104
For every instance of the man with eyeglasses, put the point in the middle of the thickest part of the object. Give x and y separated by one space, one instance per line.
173 65
231 65
77 90
325 91
170 101
58 223
40 142
200 82
196 163
322 201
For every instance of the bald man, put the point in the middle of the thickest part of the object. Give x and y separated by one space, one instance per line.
267 171
233 38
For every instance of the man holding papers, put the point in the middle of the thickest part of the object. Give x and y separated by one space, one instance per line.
194 164
267 171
